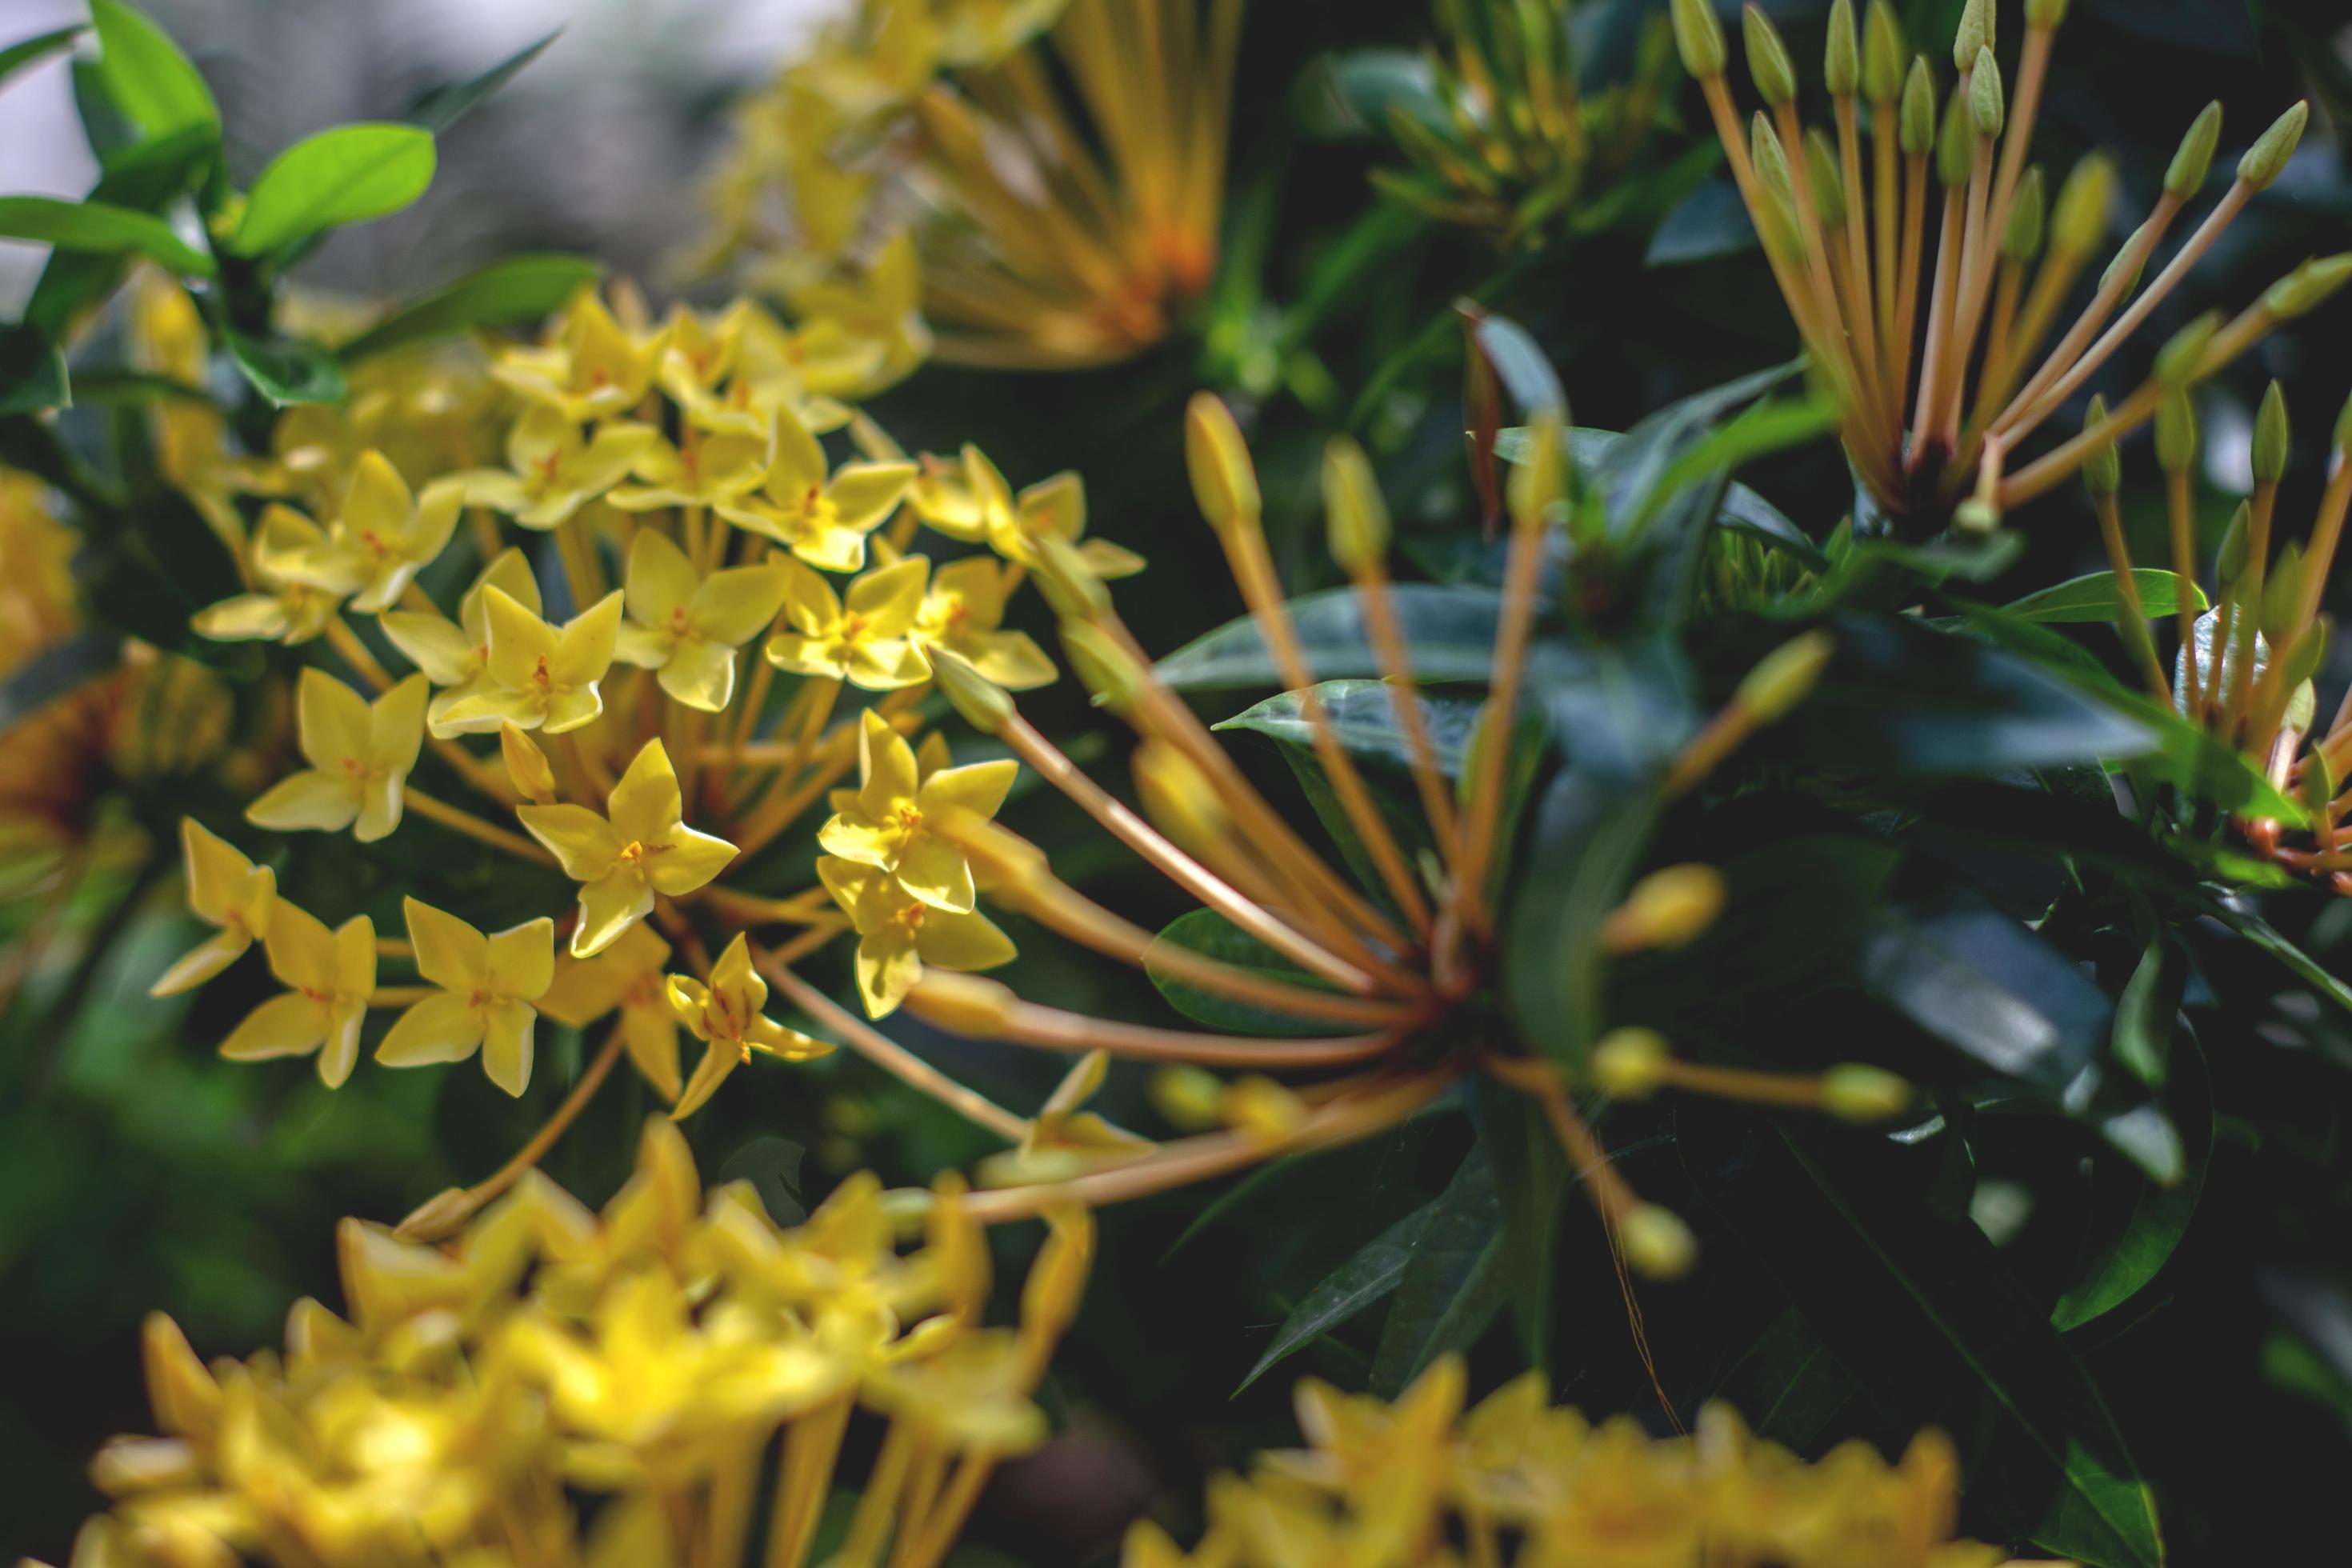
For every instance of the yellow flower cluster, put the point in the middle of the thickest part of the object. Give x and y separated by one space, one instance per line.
929 134
653 1359
1421 1483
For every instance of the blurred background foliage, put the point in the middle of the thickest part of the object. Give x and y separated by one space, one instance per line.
137 1169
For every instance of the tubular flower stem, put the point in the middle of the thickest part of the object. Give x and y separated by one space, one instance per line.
2111 534
2017 135
949 1003
1522 569
1371 580
2117 282
473 826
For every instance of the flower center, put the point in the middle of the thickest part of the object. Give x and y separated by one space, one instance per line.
539 675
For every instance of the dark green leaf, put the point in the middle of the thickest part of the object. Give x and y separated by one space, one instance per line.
345 176
1639 475
2093 598
1208 934
1788 1386
1531 1179
1796 911
32 374
288 370
518 289
1940 561
443 107
1368 1276
1589 835
2145 1015
147 179
2266 937
146 75
1710 222
1762 429
2189 758
103 227
1518 363
1618 710
33 50
1362 714
119 388
1452 1284
1451 631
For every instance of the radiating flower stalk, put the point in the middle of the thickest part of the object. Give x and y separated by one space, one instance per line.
1052 227
1936 338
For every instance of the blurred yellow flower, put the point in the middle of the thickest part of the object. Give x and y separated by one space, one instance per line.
359 754
300 585
534 675
623 859
726 1015
329 978
860 637
552 471
488 985
454 655
686 626
705 470
964 612
392 534
628 976
224 889
594 368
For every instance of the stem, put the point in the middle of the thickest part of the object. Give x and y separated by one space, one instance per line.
473 826
2179 507
1521 570
1054 1029
1395 659
2110 534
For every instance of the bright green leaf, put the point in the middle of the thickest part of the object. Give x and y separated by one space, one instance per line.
346 175
100 227
145 74
34 49
1362 715
2093 598
288 370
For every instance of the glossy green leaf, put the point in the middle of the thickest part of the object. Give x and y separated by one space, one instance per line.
1369 1277
2093 598
1354 94
2145 1015
287 371
1519 364
344 176
514 290
100 227
1210 934
2189 759
34 49
1452 1283
443 107
1531 1181
1362 715
146 75
1451 631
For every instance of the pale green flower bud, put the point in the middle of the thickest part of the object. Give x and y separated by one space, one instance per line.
1842 54
1658 1245
1915 122
1224 480
2309 652
1854 1091
1974 34
2307 284
2283 595
2080 219
1630 1063
1669 908
1883 50
2231 563
1767 58
1357 514
983 704
1987 103
1822 173
2273 148
1771 160
1102 666
1539 484
1955 142
2177 361
2022 238
1698 38
1976 516
1069 585
2176 432
1784 678
2196 154
2116 269
2103 471
2270 437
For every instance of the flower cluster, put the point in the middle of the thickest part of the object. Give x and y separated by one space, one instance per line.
647 1361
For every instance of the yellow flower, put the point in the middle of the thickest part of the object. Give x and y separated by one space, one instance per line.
725 1014
594 369
982 32
964 612
708 470
893 825
359 754
552 471
301 581
626 975
329 977
687 625
698 352
898 934
393 535
823 520
883 306
488 986
971 500
454 653
622 860
226 890
861 637
534 675
1062 1126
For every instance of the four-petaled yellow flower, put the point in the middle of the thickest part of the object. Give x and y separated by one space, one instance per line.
726 1015
535 675
622 860
971 501
707 471
823 520
898 934
455 655
594 369
360 753
329 977
488 986
894 824
862 639
687 625
300 581
964 614
226 890
390 533
552 471
627 975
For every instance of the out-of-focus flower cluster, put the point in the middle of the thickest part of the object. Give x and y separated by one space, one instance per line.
560 1387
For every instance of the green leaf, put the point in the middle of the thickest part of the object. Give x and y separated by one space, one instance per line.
1518 363
146 75
1368 1276
2189 759
125 388
1797 909
103 227
32 374
2093 598
1788 1386
287 371
2145 1015
1451 1287
1531 1179
1759 431
2152 1216
148 178
346 175
33 50
1210 934
1589 834
1352 95
518 288
2267 937
1362 715
1450 630
443 107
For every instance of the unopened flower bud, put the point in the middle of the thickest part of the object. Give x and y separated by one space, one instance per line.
2178 361
2271 436
439 1216
985 705
2282 596
1102 666
970 1005
1915 125
1767 58
2102 470
1071 588
1698 38
1189 1097
2044 13
2307 285
2079 221
2129 264
2021 239
1224 480
1001 860
1883 51
2305 655
1842 54
2176 432
1353 507
1974 34
2318 786
1538 483
1855 1092
1771 160
1784 678
526 764
2187 171
1030 1168
1822 174
1630 1063
1658 1245
1987 102
1977 517
1261 1108
2230 562
2268 156
1955 142
1668 907
1178 796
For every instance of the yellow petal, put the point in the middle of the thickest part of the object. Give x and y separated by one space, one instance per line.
1055 507
451 953
651 1037
965 942
355 959
859 839
889 598
886 665
801 655
396 725
483 709
434 644
733 977
332 720
979 788
301 948
247 618
609 906
735 606
660 578
789 1044
573 710
312 799
687 861
614 451
381 797
519 640
1014 661
887 968
936 872
585 652
510 573
377 500
810 603
443 1027
885 767
700 674
217 870
832 549
522 960
645 804
865 494
202 961
341 1049
647 648
285 1026
581 841
720 1059
979 582
507 1045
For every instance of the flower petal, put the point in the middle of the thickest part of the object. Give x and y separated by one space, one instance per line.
522 960
721 1058
585 652
218 870
865 494
443 1027
979 788
856 837
434 644
396 725
936 872
451 953
651 1037
889 597
687 861
310 799
735 606
519 640
340 1049
301 948
608 906
645 804
507 1045
1014 661
202 961
887 968
285 1026
700 674
332 720
966 941
581 841
660 578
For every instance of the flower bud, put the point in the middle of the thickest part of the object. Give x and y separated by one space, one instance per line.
2022 237
1261 1108
1767 58
1178 796
2189 164
2102 470
1987 102
439 1216
2307 285
1916 123
1102 666
1822 174
985 705
1854 1091
1030 1168
1224 480
1698 38
1005 863
2178 360
1784 678
2282 596
1666 909
1658 1245
2318 786
1353 507
969 1004
2271 436
1883 50
2307 653
1538 485
2044 13
1630 1063
1955 142
1771 160
2229 564
2273 148
1189 1097
1842 54
2176 432
2080 219
526 764
1974 34
1976 517
1071 588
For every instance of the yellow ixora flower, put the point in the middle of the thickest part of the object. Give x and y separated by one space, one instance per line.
488 985
595 368
392 534
299 584
706 470
964 612
898 934
623 859
860 637
893 824
627 977
536 674
329 977
971 501
224 889
552 470
359 754
823 520
687 625
726 1015
454 655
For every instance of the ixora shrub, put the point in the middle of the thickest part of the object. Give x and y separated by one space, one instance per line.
1847 982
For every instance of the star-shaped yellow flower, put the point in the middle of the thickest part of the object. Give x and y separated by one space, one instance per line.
329 977
626 975
725 1014
454 655
823 520
894 826
1063 1125
359 754
301 581
898 934
861 637
698 352
979 505
709 469
391 532
488 986
964 614
622 860
226 890
552 471
687 625
594 369
535 675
